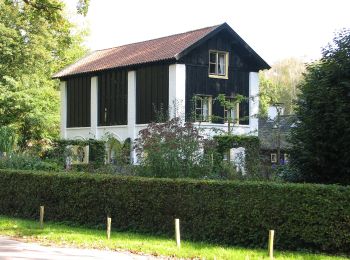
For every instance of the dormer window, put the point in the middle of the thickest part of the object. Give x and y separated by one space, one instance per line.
218 64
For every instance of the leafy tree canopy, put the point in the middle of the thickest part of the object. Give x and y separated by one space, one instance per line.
279 84
321 139
36 40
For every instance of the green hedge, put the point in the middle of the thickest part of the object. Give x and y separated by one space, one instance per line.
305 216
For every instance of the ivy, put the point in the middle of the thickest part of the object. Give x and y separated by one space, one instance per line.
97 152
252 146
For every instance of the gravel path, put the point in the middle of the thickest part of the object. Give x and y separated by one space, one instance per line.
13 249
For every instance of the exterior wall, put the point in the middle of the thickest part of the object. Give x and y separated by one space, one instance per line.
152 92
198 81
254 102
63 109
177 90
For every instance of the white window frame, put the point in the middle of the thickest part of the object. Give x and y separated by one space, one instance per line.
201 108
273 157
235 120
216 74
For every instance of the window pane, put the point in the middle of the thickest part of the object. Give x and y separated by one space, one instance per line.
213 57
213 69
205 109
221 65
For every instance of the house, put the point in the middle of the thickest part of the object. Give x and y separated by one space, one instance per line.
273 135
119 90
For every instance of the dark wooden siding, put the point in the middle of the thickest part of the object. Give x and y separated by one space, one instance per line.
198 81
152 92
78 101
112 98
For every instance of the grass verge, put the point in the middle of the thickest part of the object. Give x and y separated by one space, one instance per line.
64 235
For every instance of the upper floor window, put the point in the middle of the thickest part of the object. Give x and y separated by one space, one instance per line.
218 64
203 107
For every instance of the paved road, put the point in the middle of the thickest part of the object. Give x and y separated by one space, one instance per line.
16 250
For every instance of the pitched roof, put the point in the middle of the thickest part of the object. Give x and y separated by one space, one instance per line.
166 48
268 133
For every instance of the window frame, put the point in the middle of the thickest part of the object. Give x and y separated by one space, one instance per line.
210 103
235 121
273 157
216 63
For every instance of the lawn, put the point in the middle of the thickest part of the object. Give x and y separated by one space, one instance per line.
64 235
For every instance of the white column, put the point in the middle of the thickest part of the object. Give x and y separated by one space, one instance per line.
132 111
63 94
177 90
94 108
253 102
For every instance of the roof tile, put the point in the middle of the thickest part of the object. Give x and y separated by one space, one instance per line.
164 48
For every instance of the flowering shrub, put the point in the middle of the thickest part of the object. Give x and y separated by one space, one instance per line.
174 149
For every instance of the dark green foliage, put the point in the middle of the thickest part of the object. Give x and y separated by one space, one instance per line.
305 216
321 139
97 152
28 162
252 146
174 149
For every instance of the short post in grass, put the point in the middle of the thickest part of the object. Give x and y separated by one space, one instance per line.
271 238
177 232
109 223
41 216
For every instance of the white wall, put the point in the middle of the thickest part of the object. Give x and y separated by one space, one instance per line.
177 90
63 109
94 107
253 102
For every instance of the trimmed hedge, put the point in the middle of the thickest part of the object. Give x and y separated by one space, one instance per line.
305 216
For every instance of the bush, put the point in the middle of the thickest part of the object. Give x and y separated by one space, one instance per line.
305 216
173 149
97 153
28 162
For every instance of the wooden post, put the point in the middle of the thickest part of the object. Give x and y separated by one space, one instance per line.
109 223
271 237
177 232
41 216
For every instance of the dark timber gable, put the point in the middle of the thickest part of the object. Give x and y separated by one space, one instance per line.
199 83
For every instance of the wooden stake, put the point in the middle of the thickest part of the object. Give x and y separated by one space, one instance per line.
41 216
109 223
177 232
271 237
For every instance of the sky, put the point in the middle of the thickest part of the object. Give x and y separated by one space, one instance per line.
275 29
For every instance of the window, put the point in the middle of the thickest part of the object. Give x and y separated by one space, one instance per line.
286 158
274 158
231 114
203 108
218 64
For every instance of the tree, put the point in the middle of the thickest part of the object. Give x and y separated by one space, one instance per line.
36 40
230 105
279 84
321 139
